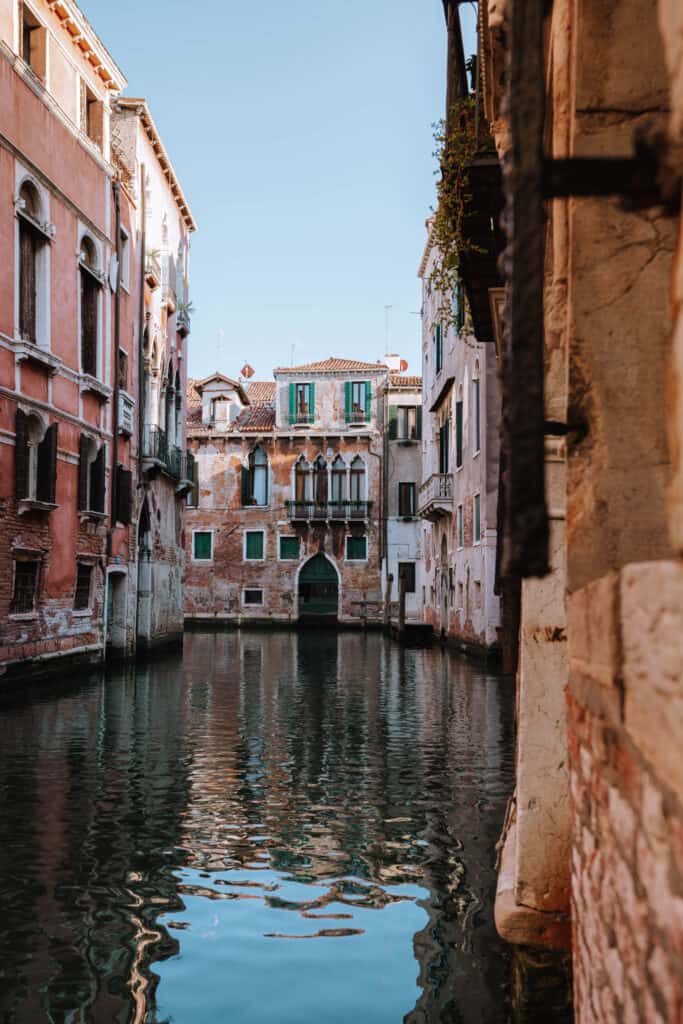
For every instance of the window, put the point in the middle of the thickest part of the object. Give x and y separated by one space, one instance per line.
459 305
221 410
84 575
301 403
444 447
320 481
477 518
477 594
406 499
409 423
33 42
458 434
92 115
356 549
124 495
289 548
253 597
476 416
25 590
338 481
122 370
202 545
302 476
255 479
90 301
358 401
254 545
406 571
357 480
32 263
35 459
124 269
438 348
461 595
460 527
91 475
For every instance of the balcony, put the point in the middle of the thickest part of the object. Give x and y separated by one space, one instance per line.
302 417
170 459
324 511
357 418
436 496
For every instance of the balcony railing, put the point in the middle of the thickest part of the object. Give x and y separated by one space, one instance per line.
176 462
436 495
301 416
311 511
357 417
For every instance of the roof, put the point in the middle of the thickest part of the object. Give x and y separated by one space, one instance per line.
332 365
400 380
192 396
259 391
256 418
140 107
93 50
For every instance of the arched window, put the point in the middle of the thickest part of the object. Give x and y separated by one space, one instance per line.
33 243
338 480
35 458
357 481
255 478
302 478
90 300
320 481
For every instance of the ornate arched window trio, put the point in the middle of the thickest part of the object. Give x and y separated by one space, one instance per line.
329 490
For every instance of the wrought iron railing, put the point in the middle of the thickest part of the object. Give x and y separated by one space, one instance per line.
177 463
155 444
357 416
303 416
317 510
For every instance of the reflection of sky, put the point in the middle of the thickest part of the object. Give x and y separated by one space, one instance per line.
239 956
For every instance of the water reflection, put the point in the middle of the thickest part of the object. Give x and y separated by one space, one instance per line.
278 828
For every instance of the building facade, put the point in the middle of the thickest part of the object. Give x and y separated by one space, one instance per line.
403 447
286 524
459 493
70 329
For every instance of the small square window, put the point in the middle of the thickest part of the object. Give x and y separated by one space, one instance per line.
202 546
253 597
356 549
254 545
289 548
83 587
25 587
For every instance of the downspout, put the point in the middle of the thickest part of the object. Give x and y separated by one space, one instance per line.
141 315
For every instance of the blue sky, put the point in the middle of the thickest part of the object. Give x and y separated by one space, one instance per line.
301 134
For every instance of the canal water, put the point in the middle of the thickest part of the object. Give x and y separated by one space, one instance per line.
274 828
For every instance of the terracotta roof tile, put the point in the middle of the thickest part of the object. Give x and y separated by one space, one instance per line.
256 418
331 365
193 397
403 380
259 391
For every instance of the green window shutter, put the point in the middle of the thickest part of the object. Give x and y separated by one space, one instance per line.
393 422
357 548
458 433
418 423
347 400
368 400
311 402
292 403
289 548
254 545
202 546
245 486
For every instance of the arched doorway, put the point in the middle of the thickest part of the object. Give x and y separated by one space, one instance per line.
318 589
144 603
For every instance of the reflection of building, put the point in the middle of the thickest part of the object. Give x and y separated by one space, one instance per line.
70 335
286 520
403 475
459 493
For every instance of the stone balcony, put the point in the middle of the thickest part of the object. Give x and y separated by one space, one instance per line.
324 511
436 496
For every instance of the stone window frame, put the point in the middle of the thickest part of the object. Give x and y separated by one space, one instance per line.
357 561
247 531
476 514
460 527
253 604
287 536
43 272
90 563
476 410
20 554
202 561
94 269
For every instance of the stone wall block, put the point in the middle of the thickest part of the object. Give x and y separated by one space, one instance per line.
652 625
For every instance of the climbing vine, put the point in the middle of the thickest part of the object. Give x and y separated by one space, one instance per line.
456 146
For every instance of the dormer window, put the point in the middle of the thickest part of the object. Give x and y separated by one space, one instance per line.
301 403
221 410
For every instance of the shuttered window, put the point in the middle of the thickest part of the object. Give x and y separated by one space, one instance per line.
89 302
91 475
21 456
46 475
28 253
458 434
97 477
406 499
35 465
301 403
202 546
356 549
254 545
289 548
83 587
25 590
438 347
124 495
476 415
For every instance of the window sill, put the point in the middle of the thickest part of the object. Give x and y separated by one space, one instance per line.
96 517
81 613
254 561
202 561
95 387
22 616
28 351
30 505
407 442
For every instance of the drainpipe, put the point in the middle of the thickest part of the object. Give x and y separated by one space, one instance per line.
141 314
117 342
